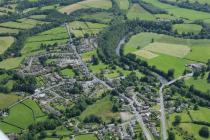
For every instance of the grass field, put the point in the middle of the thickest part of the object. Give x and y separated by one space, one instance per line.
180 12
187 28
38 17
16 25
11 63
101 16
201 115
22 115
8 30
199 83
123 4
168 49
104 4
8 99
137 12
145 54
86 137
5 43
67 73
106 114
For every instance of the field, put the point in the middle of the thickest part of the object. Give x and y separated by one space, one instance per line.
8 30
180 12
99 16
168 49
201 115
86 137
21 116
123 4
8 99
166 52
11 63
187 28
199 83
67 72
5 43
104 4
137 12
106 114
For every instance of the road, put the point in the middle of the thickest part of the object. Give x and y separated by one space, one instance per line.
122 41
163 120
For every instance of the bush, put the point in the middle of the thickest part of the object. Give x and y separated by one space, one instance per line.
204 132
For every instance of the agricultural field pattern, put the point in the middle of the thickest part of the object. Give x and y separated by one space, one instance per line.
104 69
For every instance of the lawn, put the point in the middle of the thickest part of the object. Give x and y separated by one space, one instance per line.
105 113
88 55
187 28
104 4
5 43
97 68
123 4
137 12
8 99
86 137
67 72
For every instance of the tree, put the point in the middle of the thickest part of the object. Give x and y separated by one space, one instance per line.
171 136
204 132
95 60
170 73
177 120
208 78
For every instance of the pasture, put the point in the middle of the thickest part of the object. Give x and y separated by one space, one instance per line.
11 63
8 99
5 43
187 28
106 114
123 4
137 12
8 30
104 4
86 137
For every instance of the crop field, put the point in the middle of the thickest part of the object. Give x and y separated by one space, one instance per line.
199 83
123 4
8 30
21 116
187 28
136 11
168 49
106 114
5 43
104 4
86 137
180 12
8 99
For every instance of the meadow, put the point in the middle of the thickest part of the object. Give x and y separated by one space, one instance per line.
5 43
104 4
8 99
123 4
187 28
106 114
137 12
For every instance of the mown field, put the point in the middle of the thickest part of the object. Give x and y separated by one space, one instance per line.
21 116
166 52
104 4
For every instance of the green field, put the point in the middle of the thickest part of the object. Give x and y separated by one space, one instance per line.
187 28
166 52
11 63
199 83
202 114
137 12
22 115
8 30
8 99
99 16
106 114
123 4
5 43
104 4
86 137
68 73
